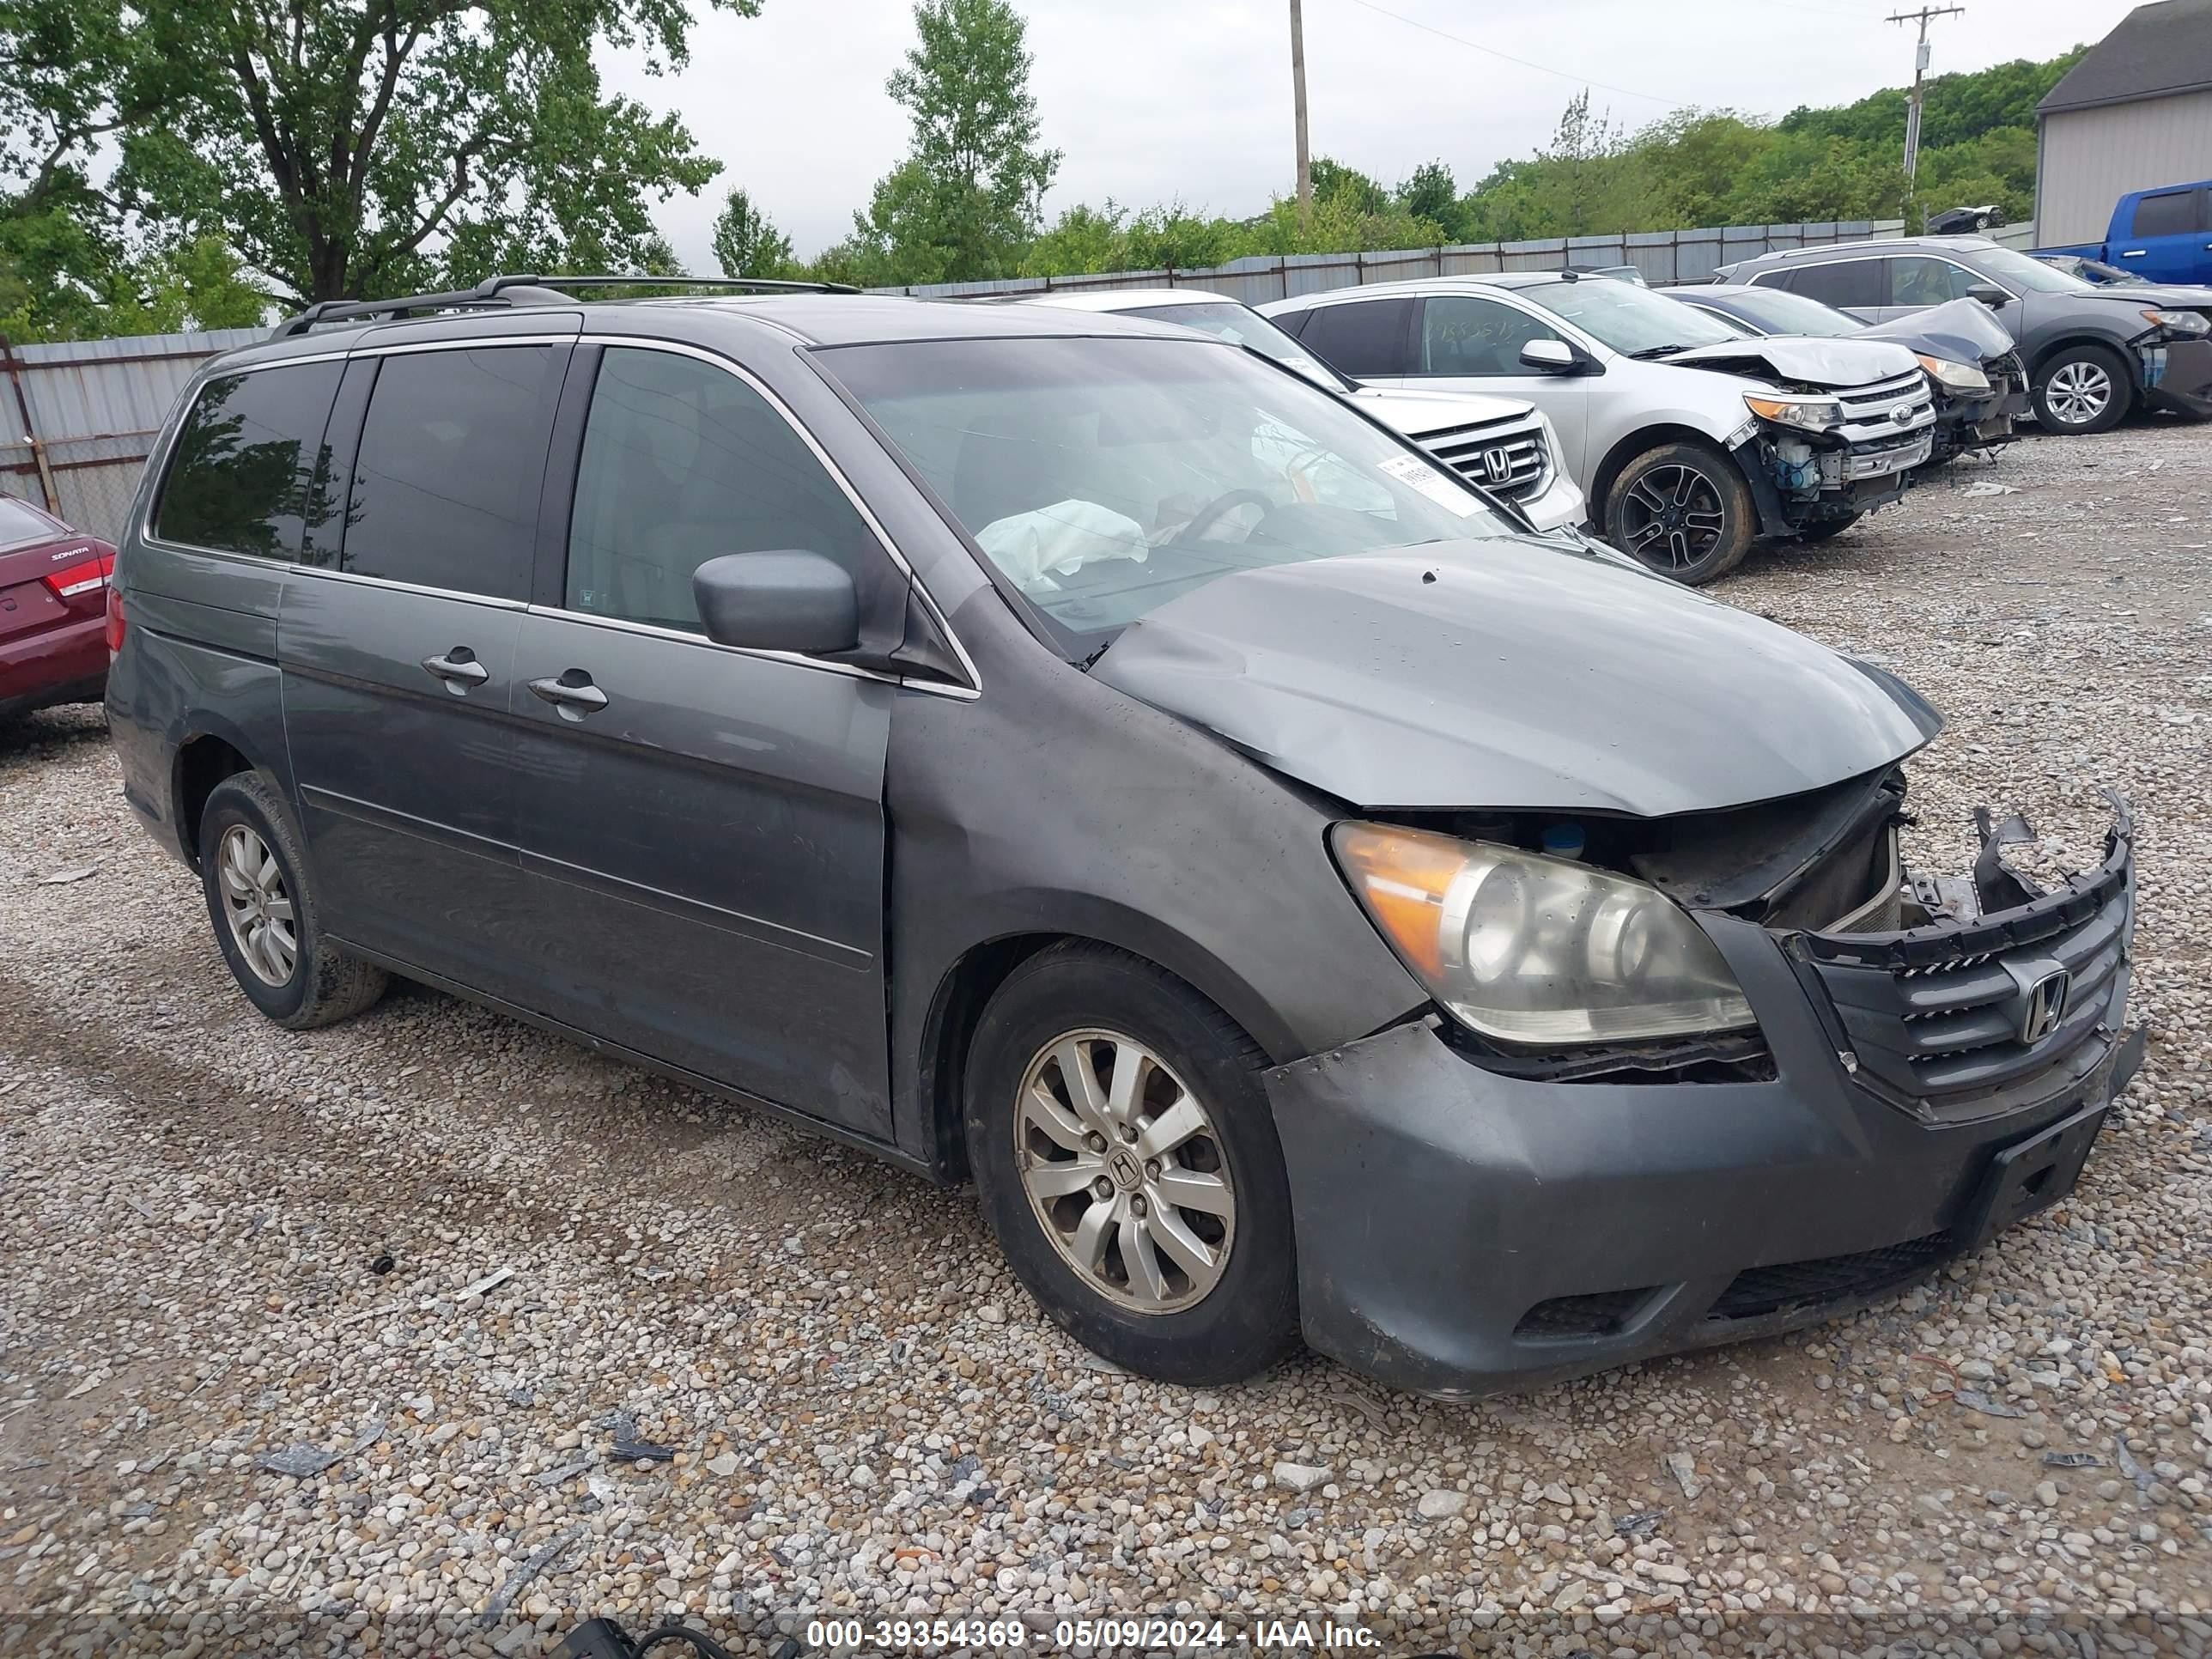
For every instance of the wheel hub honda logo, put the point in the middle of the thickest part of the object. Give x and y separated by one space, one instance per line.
1497 465
1126 1172
2045 1005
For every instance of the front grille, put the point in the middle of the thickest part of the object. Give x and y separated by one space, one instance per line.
1864 405
1466 451
1605 1313
1937 1013
1759 1290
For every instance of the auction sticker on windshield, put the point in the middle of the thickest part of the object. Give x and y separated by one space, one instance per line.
1417 474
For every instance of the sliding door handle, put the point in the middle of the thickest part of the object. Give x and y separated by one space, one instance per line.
459 668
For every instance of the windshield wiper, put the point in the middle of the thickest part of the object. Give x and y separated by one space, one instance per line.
1650 352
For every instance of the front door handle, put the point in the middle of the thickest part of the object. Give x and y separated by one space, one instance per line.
572 695
459 668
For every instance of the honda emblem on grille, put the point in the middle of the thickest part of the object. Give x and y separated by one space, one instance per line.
2045 1005
1497 465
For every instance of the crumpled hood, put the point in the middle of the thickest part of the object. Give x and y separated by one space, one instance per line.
1512 672
2171 296
1804 359
1417 412
1965 330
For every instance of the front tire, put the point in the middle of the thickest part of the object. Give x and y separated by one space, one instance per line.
1682 509
1127 1159
267 923
2080 390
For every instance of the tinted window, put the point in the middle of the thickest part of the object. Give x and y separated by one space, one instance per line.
1361 337
1917 280
24 526
239 478
684 462
1463 334
1778 311
1846 282
445 482
2172 213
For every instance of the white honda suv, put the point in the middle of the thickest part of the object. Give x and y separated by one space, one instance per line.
1506 445
1691 441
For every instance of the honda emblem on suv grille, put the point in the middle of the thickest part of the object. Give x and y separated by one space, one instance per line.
2045 1005
1497 465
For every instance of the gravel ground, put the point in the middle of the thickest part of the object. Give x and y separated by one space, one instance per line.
468 1262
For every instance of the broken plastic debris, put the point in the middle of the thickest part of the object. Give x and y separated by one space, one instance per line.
302 1461
490 1281
1685 1471
62 877
1975 1400
539 1560
1641 1524
2073 1459
2143 1478
1986 488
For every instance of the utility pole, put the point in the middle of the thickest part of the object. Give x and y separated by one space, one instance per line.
1919 74
1299 104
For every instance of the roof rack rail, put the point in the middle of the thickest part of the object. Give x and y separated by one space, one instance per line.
506 290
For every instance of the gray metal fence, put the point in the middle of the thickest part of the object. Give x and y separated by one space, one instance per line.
1664 257
77 419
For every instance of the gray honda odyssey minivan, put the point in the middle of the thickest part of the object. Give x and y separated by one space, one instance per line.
1077 755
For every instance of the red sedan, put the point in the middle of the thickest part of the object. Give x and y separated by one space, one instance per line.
53 604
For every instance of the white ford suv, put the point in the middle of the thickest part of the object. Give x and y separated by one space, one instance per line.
1691 440
1504 444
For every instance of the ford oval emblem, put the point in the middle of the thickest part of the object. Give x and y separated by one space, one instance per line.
1901 414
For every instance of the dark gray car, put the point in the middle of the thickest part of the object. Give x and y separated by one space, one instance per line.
1078 755
2092 353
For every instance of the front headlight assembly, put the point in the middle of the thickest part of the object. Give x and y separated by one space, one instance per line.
2178 322
1953 376
1812 414
1533 951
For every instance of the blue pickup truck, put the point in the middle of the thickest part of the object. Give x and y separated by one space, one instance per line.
2161 235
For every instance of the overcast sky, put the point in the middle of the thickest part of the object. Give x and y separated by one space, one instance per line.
1156 99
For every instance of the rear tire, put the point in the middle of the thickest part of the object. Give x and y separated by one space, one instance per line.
254 870
1184 1267
2080 390
1682 509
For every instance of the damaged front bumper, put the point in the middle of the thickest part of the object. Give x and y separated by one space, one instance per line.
2178 376
1798 479
1462 1231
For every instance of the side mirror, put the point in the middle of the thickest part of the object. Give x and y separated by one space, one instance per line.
1548 357
1989 295
780 601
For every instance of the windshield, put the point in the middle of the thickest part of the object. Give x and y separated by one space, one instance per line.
1241 326
1778 311
2016 269
1629 318
1103 477
22 526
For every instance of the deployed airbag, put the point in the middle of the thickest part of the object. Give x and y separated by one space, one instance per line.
1032 547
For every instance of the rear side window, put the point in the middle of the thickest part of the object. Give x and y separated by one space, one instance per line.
1846 282
22 525
1361 337
446 477
241 476
2171 213
684 462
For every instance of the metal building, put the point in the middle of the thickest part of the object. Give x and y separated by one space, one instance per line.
2135 113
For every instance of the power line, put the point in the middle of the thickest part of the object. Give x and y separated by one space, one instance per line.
1540 68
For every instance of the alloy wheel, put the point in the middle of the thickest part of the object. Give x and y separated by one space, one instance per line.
1125 1171
1672 517
257 905
2078 392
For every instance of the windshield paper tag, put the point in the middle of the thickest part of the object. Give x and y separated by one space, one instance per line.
1419 475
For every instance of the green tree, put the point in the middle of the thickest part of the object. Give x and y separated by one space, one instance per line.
356 146
746 243
1429 193
964 203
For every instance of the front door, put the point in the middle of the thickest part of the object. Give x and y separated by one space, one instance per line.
2173 237
1471 343
396 643
702 828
